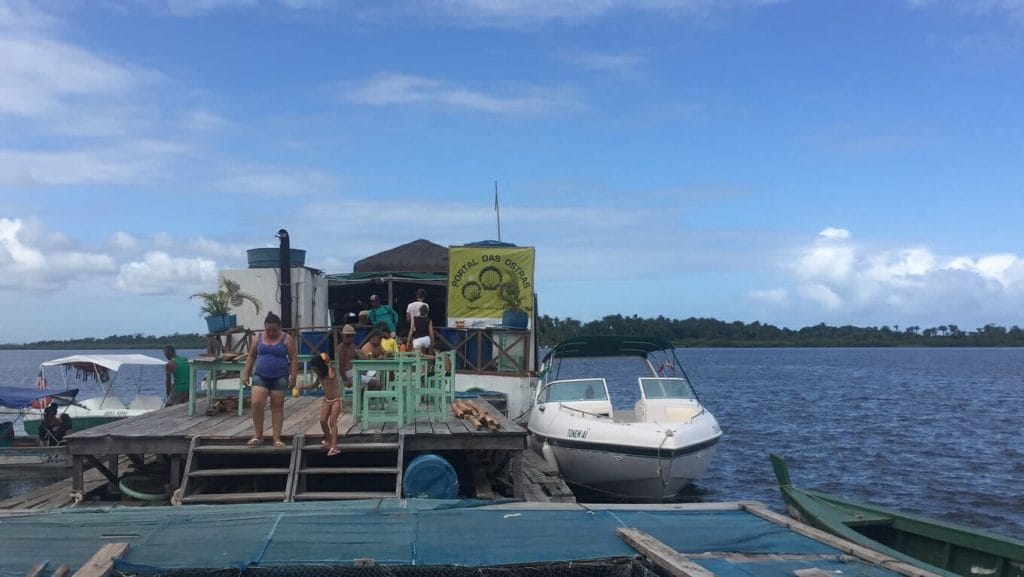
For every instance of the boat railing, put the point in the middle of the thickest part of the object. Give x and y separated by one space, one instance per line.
579 410
477 351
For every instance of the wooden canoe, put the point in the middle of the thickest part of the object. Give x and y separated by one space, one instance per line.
936 546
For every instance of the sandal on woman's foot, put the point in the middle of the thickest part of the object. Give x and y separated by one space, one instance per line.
254 441
333 452
323 443
280 444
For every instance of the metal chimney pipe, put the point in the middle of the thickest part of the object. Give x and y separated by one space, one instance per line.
285 262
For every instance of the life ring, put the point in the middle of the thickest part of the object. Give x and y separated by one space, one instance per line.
42 403
143 488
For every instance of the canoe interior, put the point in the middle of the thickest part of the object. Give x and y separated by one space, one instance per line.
954 549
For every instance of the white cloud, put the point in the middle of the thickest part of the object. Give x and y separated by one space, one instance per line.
159 273
23 266
15 254
389 89
273 181
822 295
846 280
835 233
201 120
131 161
125 242
775 296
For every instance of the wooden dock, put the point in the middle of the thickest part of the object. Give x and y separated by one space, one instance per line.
196 447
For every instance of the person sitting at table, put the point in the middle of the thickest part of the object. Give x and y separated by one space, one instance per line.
387 340
330 406
345 353
372 348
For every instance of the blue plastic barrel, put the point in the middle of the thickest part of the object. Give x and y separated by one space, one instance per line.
430 477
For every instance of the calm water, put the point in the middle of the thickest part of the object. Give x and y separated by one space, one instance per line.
930 431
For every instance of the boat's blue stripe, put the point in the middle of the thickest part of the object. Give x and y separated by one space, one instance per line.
627 449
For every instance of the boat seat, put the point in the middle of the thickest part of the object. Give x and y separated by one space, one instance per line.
680 413
868 519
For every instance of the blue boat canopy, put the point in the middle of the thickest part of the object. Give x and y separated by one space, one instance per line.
21 398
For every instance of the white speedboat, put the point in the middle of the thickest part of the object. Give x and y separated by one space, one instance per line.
648 454
109 376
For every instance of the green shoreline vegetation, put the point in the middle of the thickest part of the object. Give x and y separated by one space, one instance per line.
691 332
708 332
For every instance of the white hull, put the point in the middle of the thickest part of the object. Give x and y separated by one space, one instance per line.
650 454
91 412
34 456
619 473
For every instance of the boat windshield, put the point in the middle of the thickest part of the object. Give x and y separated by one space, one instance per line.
574 390
666 388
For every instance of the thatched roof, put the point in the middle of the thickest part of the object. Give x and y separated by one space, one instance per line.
417 256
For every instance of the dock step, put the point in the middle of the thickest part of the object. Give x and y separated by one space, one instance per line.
234 497
219 471
349 471
240 472
339 495
359 471
227 449
349 447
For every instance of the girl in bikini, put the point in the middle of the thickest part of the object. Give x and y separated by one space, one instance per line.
330 408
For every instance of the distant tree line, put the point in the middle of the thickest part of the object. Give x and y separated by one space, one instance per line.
136 341
707 332
691 332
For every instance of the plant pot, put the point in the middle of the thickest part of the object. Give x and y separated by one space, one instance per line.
221 323
515 319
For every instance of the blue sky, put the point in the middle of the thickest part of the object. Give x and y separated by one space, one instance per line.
792 162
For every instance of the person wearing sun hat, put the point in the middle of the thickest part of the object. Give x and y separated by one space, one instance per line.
346 352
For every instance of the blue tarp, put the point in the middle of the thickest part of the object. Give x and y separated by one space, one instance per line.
19 398
395 532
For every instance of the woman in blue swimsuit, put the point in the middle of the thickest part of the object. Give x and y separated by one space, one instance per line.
277 367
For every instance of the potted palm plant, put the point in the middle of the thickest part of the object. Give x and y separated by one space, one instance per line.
517 306
216 306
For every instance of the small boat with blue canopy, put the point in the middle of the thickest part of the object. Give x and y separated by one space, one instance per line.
107 375
46 450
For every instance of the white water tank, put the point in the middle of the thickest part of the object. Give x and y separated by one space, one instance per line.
309 296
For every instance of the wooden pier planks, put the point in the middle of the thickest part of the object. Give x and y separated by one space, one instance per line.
169 432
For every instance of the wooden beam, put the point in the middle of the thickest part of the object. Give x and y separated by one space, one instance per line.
101 564
62 570
662 555
111 477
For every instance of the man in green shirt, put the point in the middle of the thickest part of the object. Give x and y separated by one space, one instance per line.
381 313
177 377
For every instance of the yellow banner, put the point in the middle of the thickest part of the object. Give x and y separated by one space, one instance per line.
479 277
